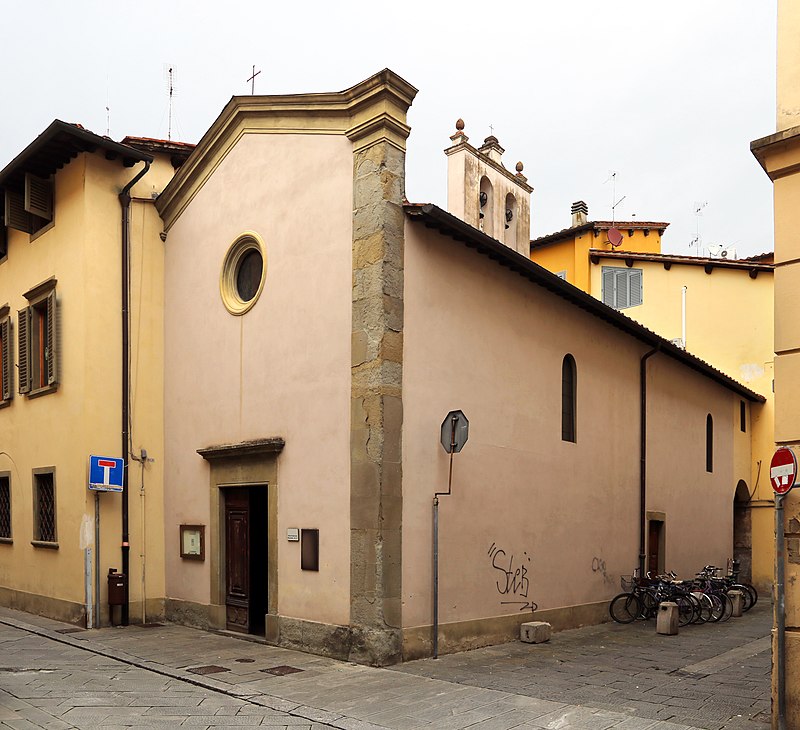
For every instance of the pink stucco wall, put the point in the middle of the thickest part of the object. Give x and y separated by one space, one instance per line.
282 369
483 339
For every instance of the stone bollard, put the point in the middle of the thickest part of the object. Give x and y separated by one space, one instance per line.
737 599
667 619
535 632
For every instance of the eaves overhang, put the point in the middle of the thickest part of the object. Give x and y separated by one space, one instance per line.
752 266
56 146
778 153
597 227
434 217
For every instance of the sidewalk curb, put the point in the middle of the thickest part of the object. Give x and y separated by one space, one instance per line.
312 714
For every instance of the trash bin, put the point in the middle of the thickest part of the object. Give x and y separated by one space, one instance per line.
117 590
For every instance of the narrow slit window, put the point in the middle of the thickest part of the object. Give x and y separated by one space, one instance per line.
569 387
742 416
709 443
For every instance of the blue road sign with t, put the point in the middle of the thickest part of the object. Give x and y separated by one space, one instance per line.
105 474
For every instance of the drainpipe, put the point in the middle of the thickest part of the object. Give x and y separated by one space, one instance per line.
643 459
125 202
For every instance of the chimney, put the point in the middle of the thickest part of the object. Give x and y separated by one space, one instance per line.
580 213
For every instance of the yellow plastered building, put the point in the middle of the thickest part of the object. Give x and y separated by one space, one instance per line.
64 229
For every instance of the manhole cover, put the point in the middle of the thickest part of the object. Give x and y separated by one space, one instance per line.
245 660
209 669
281 671
69 631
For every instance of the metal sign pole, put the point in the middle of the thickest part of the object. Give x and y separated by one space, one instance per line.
780 615
436 577
97 559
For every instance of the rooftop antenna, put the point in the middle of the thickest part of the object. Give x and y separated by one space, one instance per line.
614 202
252 81
169 74
697 241
108 111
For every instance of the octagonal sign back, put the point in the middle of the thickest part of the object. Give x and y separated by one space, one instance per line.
455 431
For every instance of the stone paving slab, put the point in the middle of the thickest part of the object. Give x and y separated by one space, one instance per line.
608 676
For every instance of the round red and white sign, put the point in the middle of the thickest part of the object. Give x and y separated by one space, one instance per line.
783 470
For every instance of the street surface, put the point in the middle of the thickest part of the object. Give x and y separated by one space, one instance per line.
55 676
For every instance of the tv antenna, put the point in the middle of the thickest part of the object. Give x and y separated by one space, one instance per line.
614 202
169 75
697 241
108 111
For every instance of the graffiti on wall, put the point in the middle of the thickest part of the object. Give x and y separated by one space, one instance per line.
599 569
511 578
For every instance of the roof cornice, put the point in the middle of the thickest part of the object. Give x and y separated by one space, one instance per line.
371 111
778 153
434 217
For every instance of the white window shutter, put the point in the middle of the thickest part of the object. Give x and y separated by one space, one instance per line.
39 197
635 287
24 356
16 215
623 289
608 286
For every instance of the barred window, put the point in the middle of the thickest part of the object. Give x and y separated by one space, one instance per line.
44 508
5 508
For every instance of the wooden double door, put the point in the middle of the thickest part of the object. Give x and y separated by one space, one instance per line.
246 558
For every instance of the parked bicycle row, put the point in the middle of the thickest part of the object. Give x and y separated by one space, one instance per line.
709 596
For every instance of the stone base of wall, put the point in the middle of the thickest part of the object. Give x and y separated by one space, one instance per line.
55 608
465 635
197 615
75 613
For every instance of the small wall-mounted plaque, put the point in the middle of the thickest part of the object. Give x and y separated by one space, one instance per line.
193 542
293 534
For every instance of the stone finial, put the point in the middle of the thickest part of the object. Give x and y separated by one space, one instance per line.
459 136
520 176
520 167
492 149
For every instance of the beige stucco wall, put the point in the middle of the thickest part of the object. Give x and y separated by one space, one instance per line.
788 87
568 512
281 369
729 323
83 417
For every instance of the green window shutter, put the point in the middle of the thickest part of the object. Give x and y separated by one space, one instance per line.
52 340
39 197
16 215
7 374
23 340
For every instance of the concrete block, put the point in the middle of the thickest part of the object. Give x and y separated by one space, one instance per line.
535 632
737 599
667 619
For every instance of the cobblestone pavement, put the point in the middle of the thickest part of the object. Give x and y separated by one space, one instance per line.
624 677
711 676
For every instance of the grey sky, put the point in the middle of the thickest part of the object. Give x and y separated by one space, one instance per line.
667 94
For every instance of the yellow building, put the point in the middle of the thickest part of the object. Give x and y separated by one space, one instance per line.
719 309
779 155
69 212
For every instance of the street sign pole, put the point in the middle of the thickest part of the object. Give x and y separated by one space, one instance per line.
454 434
782 475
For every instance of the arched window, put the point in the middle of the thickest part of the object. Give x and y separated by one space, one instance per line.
486 207
569 390
510 218
709 443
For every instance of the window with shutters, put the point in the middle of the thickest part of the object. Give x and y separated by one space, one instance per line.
30 209
44 508
622 287
569 390
6 358
37 340
5 507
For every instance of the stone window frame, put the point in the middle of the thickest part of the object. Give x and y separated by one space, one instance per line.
38 484
5 505
243 244
43 352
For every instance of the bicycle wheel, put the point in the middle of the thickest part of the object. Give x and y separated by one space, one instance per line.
706 606
686 608
718 606
727 605
753 594
624 608
747 597
649 605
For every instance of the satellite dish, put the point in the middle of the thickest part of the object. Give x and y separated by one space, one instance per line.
614 237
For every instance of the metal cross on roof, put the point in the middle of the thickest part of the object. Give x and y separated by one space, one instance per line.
252 81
